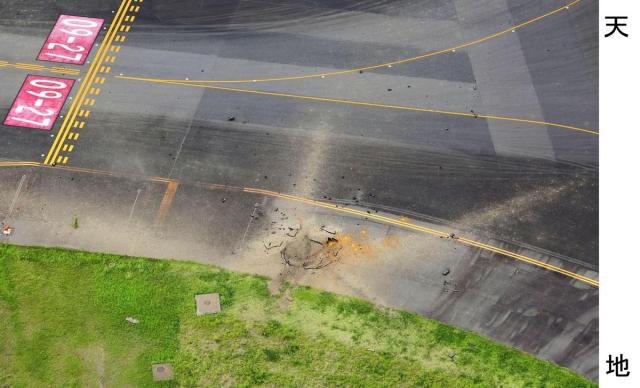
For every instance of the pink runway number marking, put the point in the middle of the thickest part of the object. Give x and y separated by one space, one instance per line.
39 102
71 40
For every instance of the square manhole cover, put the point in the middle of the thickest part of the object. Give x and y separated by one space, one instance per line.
162 372
207 304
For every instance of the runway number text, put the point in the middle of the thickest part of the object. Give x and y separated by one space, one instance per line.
39 102
70 40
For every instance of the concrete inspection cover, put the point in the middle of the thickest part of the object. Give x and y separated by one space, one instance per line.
207 304
162 372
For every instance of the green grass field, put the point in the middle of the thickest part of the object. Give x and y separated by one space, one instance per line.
62 323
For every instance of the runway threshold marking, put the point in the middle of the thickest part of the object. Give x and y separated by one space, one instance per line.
401 222
368 104
165 204
36 67
88 87
396 62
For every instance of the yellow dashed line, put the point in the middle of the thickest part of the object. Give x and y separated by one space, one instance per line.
87 82
65 160
65 147
70 147
37 67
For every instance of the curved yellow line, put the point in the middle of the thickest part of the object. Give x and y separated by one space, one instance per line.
359 213
367 104
396 62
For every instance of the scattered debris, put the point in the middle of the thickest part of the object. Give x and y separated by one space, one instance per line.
453 236
6 229
293 232
446 284
324 229
231 118
446 272
451 355
316 241
74 223
271 245
132 320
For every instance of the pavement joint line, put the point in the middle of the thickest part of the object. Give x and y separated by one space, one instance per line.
368 104
399 61
87 82
327 205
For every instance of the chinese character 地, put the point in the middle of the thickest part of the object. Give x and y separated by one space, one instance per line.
619 365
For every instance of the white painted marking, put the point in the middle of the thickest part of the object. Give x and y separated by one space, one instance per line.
134 205
38 102
15 196
71 39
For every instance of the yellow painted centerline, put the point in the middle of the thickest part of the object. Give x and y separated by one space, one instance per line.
52 155
403 222
400 61
368 104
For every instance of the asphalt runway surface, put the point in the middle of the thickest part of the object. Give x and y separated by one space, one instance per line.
477 116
